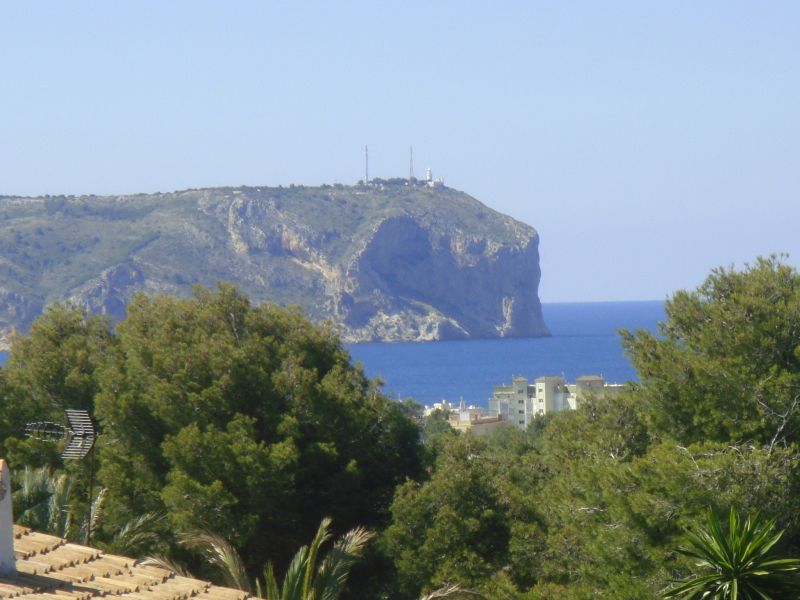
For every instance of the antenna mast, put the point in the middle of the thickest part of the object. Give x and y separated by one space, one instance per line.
366 164
81 436
411 162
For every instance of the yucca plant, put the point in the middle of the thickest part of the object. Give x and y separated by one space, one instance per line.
737 564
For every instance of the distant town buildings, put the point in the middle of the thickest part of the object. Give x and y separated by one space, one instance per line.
521 402
466 418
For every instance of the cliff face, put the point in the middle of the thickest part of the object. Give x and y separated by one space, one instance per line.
388 263
413 282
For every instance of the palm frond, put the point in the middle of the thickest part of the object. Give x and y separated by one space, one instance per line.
96 515
136 535
311 575
334 570
292 586
43 500
453 591
314 574
162 562
221 554
60 507
270 591
322 536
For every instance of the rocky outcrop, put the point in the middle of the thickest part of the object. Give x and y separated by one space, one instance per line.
416 283
17 312
109 293
387 263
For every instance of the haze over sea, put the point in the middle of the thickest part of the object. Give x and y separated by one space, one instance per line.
584 342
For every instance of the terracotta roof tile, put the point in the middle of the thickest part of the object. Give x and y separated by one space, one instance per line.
215 592
50 568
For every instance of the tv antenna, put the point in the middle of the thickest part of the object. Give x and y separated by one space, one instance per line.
366 165
80 435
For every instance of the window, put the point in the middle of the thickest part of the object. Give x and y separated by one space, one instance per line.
521 402
522 412
522 422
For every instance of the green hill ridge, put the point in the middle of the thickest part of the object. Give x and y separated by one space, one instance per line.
390 261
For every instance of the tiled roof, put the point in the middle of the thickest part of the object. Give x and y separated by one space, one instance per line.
51 568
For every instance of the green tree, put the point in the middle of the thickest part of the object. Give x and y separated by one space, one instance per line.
53 368
612 503
56 362
737 564
247 420
457 528
726 364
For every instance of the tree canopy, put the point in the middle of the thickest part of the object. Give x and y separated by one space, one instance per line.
247 420
252 423
726 363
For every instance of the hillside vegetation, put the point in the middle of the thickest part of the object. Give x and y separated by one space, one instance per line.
250 424
390 262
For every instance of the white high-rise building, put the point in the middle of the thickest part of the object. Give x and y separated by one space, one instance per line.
521 402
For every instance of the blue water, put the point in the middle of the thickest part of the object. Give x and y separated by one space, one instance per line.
584 342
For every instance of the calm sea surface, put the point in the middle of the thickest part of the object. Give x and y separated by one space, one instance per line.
584 342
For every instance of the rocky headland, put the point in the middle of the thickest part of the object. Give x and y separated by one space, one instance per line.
392 261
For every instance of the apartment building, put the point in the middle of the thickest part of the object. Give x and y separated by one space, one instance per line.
521 402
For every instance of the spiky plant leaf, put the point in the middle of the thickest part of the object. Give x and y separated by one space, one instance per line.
740 562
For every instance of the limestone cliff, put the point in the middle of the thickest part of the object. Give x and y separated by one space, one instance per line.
390 261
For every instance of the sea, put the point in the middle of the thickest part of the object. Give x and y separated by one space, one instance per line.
584 341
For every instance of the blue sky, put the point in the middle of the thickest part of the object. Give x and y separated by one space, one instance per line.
646 142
